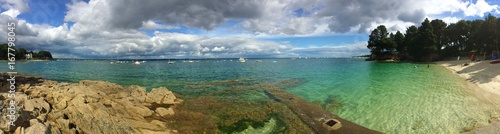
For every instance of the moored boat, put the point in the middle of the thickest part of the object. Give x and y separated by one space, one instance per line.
241 59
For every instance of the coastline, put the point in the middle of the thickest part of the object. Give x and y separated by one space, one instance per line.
484 75
101 107
483 79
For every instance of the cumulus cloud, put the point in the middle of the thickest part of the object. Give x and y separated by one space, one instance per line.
20 5
450 20
130 14
113 28
415 17
151 25
479 8
284 17
347 50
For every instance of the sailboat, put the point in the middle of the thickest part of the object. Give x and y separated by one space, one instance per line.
170 62
242 60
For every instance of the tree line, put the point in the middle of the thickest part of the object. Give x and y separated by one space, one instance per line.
435 40
21 53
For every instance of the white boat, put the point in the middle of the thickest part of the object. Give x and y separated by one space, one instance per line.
136 63
170 62
242 60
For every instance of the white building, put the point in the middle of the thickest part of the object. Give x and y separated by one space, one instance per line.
29 56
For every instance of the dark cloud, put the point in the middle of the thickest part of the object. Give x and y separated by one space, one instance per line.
193 13
348 14
414 17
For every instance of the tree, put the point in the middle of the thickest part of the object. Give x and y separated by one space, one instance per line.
477 36
498 36
44 55
373 44
21 53
427 40
382 44
438 27
4 51
489 34
389 44
399 39
376 42
410 40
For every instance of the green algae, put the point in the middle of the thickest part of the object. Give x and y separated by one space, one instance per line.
273 124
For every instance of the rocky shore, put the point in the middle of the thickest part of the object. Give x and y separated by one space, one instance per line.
43 106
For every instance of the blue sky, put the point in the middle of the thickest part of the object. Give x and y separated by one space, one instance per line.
219 29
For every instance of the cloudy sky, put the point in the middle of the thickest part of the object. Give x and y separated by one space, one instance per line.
218 28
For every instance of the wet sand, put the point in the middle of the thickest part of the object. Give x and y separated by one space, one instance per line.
484 81
484 75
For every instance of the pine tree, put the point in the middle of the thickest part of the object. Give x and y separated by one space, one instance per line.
427 41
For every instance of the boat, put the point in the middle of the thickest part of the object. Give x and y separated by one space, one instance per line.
495 62
136 63
241 60
170 62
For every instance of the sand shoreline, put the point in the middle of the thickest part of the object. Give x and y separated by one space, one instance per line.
484 75
483 79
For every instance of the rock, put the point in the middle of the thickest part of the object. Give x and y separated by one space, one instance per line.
143 125
164 111
161 96
34 121
158 123
19 130
494 118
88 107
145 131
142 110
28 105
36 129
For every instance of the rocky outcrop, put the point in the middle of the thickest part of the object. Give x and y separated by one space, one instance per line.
86 107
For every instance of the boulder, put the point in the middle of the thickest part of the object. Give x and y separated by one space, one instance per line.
36 129
161 96
88 107
164 111
158 123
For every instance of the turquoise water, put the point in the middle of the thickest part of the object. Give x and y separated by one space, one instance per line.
388 97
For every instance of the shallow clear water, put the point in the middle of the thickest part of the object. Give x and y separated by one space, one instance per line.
388 97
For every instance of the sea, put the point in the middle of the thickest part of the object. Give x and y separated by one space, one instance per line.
387 97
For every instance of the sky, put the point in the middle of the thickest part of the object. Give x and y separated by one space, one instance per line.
165 29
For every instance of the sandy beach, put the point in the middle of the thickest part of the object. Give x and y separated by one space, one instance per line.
484 80
483 74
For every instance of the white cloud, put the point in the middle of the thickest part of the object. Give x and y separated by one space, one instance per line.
479 8
20 5
436 7
151 25
347 50
111 28
451 19
11 12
